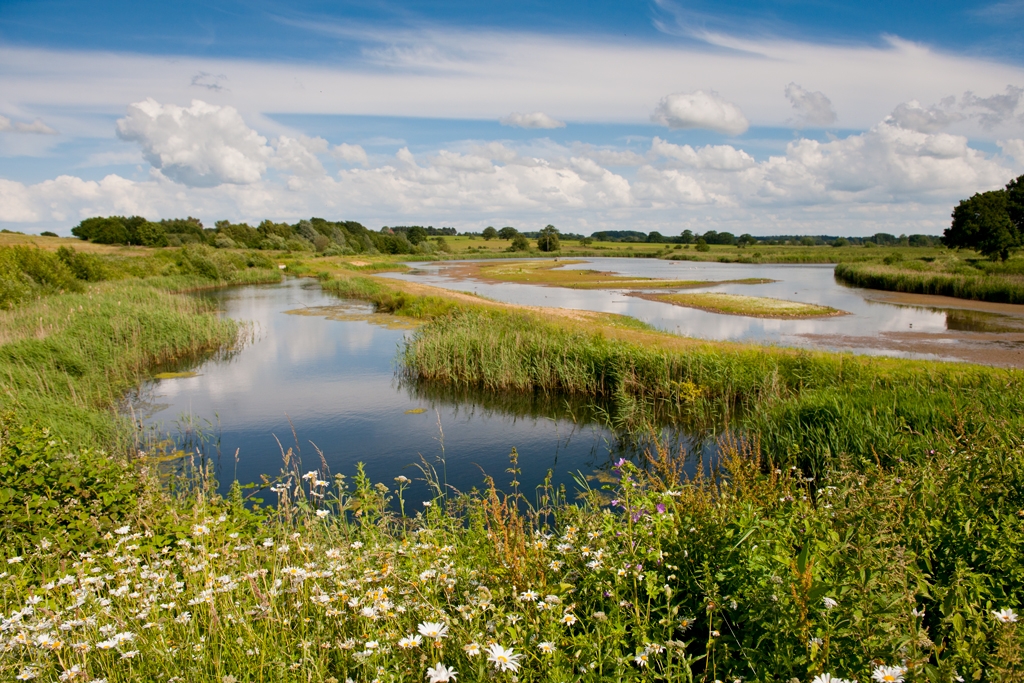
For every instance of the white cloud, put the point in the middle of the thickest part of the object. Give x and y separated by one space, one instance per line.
912 116
535 120
201 146
716 157
298 155
484 75
814 108
1013 149
994 111
351 154
37 127
699 109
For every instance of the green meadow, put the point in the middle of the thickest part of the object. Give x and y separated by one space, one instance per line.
864 518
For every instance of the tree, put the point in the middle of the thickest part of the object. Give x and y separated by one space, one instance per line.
746 239
686 237
416 234
490 233
983 223
519 243
507 233
547 240
655 237
702 245
586 241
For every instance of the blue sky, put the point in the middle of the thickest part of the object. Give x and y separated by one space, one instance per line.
794 117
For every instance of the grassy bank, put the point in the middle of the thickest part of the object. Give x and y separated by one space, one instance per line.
978 280
761 576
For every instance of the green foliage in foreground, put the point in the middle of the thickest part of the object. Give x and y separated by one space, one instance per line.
58 496
761 575
981 284
808 408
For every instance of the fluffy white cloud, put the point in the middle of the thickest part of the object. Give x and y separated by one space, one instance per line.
715 157
535 120
351 154
887 178
37 127
200 146
994 110
814 108
700 110
298 155
1013 149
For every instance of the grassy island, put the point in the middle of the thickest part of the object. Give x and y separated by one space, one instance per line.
737 304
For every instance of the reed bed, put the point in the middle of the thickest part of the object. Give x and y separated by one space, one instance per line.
71 358
808 408
995 287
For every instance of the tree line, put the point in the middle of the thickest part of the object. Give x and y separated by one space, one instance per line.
315 234
991 223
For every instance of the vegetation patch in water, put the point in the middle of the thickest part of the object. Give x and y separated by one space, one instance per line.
175 375
737 304
552 274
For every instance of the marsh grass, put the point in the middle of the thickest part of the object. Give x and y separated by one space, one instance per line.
808 408
999 283
71 358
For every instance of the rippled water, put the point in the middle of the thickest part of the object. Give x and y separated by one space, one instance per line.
333 382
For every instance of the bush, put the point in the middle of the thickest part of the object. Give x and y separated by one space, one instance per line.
53 495
519 243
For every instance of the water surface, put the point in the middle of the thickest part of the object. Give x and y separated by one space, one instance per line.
872 326
310 381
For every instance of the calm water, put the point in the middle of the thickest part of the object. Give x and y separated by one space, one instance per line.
335 381
813 284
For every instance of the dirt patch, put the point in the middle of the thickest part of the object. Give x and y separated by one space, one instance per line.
999 350
943 302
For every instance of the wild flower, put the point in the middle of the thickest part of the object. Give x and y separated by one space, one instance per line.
1005 616
828 678
439 673
472 649
503 660
409 642
569 619
322 513
829 603
200 529
27 674
433 629
546 647
641 659
889 674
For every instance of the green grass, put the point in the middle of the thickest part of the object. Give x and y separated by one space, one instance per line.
981 281
736 304
808 408
70 359
389 299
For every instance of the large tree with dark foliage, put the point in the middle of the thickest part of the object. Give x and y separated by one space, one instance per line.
547 240
990 222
